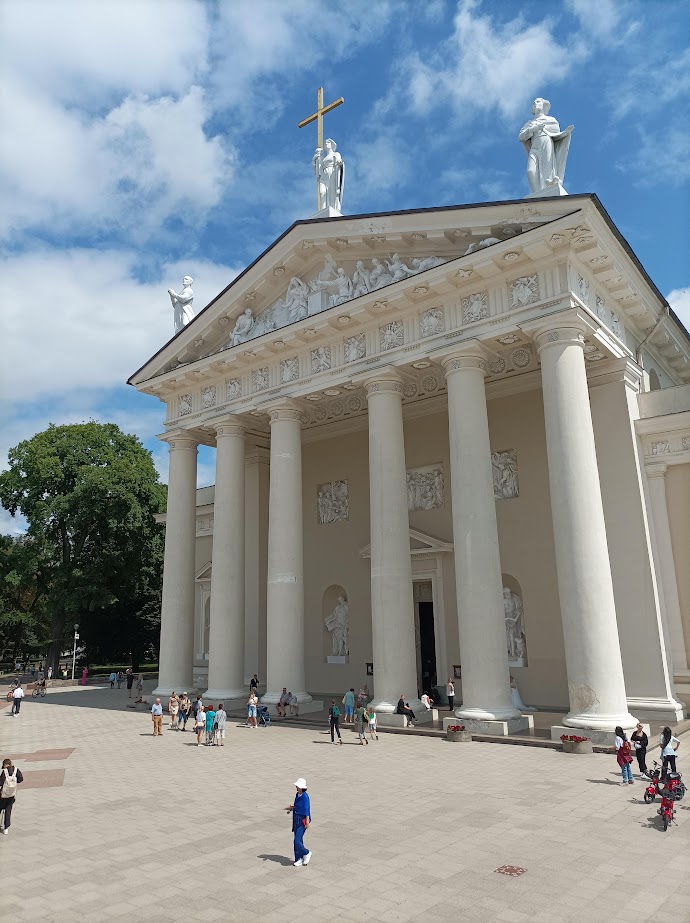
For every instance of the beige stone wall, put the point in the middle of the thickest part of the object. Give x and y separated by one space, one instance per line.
678 500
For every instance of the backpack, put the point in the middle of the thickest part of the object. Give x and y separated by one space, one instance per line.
9 786
335 711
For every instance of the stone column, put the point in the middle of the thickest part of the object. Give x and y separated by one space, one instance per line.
486 695
176 656
226 640
392 605
590 632
285 592
656 476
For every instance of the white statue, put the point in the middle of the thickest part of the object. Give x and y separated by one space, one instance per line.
517 700
338 623
361 280
546 146
243 327
398 269
182 304
329 168
428 262
296 299
515 632
505 474
379 275
343 289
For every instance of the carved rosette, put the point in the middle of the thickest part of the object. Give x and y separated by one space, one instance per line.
391 335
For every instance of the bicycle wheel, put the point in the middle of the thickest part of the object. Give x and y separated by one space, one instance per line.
34 694
665 819
43 692
648 798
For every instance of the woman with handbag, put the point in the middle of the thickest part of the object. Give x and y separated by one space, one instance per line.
624 755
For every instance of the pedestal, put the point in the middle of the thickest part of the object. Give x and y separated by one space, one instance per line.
326 212
494 728
555 190
338 658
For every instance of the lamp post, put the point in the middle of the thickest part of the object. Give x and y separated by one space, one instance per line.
74 649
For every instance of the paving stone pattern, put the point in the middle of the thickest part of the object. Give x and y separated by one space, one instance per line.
405 830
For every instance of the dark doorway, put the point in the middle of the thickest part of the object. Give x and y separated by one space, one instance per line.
427 645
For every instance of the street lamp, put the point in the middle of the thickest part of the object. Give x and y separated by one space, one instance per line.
74 649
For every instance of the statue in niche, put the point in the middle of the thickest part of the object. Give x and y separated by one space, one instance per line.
515 630
182 304
546 147
329 168
243 328
296 299
505 474
361 280
338 623
379 275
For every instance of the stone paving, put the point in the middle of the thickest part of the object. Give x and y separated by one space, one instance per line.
405 830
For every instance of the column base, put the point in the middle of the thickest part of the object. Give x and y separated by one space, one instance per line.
668 711
164 692
507 713
589 722
227 696
272 698
601 738
681 682
493 727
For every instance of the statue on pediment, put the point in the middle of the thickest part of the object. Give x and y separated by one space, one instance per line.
329 168
361 280
379 275
296 299
427 262
243 328
182 304
546 147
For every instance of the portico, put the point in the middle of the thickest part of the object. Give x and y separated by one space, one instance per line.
454 403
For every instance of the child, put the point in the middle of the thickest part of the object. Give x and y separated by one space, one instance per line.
623 755
200 723
210 732
221 718
371 714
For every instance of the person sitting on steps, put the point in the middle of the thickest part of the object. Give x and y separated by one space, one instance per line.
404 709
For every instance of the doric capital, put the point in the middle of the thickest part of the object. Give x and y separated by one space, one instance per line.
656 470
387 381
566 328
229 426
180 440
470 356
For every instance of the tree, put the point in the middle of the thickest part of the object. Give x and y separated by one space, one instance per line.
89 493
23 587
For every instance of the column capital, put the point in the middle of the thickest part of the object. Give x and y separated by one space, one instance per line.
229 426
387 381
179 439
467 356
564 328
656 470
285 411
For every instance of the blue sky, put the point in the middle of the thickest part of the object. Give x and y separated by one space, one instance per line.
144 139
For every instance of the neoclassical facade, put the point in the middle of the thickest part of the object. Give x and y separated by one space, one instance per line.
466 432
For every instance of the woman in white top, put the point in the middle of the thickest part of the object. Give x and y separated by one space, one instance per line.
450 692
426 701
669 746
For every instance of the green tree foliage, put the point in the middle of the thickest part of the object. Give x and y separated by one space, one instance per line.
24 569
89 493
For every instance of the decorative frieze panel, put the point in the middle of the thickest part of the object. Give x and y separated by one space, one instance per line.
233 389
431 322
661 447
582 291
505 474
425 488
391 335
475 307
260 379
333 502
289 370
320 359
208 397
184 405
524 291
354 347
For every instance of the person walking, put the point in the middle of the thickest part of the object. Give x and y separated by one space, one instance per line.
10 778
669 747
173 711
640 742
221 718
371 719
84 674
301 819
129 675
140 689
254 684
17 696
210 729
185 709
157 718
450 692
334 722
252 703
349 703
50 672
119 679
361 721
112 679
623 755
200 723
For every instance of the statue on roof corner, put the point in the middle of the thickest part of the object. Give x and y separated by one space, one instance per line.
182 304
329 168
546 146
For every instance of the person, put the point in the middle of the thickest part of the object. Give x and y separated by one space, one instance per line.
640 742
173 710
140 689
301 818
404 709
119 679
50 673
221 718
334 722
10 778
130 681
349 703
450 692
252 702
669 747
373 727
623 757
33 671
254 684
157 718
84 674
200 722
112 678
210 729
360 719
185 709
294 704
17 696
363 695
196 705
281 707
426 701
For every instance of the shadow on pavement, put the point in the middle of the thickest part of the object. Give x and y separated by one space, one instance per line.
281 860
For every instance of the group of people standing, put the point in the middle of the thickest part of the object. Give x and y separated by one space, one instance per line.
208 722
638 745
363 716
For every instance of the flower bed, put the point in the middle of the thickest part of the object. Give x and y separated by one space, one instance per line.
573 743
457 733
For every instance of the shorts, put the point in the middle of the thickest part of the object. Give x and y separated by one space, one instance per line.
251 711
349 711
220 733
372 725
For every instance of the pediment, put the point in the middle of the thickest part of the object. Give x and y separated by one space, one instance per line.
420 543
319 265
204 573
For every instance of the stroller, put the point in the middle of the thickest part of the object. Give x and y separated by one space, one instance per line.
264 719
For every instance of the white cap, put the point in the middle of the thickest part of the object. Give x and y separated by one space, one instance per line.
301 783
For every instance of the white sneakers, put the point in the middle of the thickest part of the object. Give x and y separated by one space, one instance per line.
6 831
306 859
299 862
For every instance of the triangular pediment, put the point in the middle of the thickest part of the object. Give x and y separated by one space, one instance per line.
318 266
204 573
420 543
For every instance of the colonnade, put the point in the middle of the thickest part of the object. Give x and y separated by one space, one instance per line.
592 650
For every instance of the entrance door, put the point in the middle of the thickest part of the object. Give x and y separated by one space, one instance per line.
427 647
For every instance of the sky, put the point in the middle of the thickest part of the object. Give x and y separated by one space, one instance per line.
142 140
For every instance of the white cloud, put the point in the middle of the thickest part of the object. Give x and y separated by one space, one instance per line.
485 65
603 19
652 162
81 316
679 299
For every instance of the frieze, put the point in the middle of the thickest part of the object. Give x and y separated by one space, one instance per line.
425 488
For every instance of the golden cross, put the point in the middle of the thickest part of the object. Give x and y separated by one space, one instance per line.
321 110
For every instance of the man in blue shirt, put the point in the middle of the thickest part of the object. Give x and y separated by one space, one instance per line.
157 718
301 818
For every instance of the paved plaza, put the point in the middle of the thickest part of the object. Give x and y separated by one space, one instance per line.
113 824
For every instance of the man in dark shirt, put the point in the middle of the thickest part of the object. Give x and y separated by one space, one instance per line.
404 709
